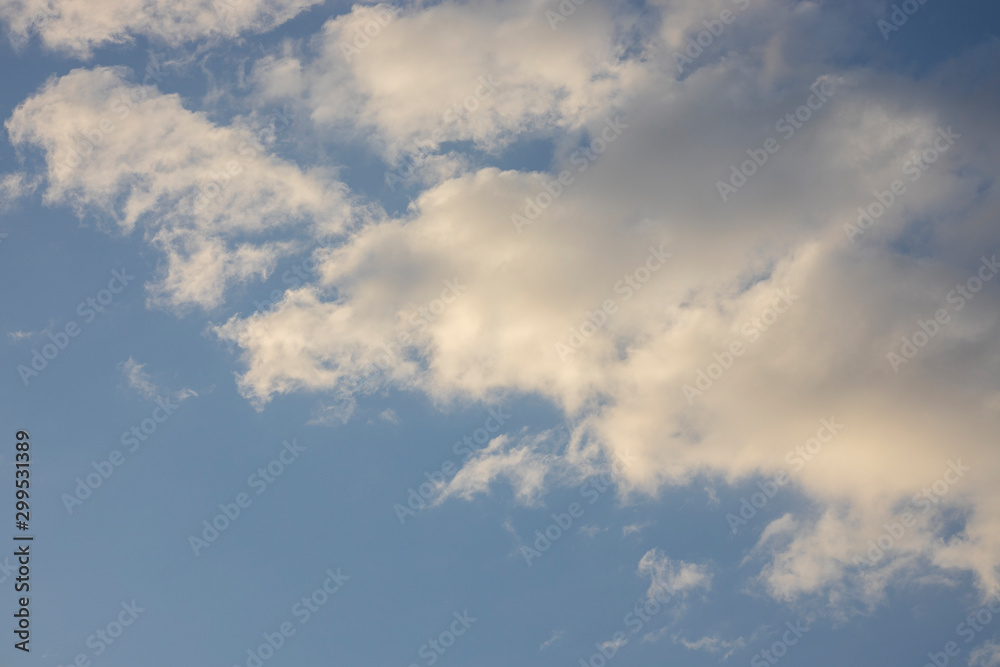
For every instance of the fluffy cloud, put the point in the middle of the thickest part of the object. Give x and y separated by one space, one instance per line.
215 202
564 302
78 28
691 318
486 72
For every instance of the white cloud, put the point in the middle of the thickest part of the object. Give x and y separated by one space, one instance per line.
825 356
209 197
634 528
987 655
556 636
713 644
381 313
14 187
670 578
139 380
78 28
485 71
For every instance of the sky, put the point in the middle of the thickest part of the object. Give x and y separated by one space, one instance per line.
493 332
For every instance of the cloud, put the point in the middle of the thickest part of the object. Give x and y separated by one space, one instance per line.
669 577
556 636
14 187
209 197
713 644
140 381
987 655
77 29
497 281
815 310
484 71
634 528
525 465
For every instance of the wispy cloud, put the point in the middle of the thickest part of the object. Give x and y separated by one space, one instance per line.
139 380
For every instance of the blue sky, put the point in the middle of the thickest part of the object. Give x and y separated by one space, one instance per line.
265 261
